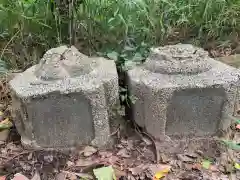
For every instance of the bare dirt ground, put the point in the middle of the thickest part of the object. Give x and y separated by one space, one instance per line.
133 158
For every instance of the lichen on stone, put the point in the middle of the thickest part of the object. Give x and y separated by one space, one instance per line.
63 62
178 59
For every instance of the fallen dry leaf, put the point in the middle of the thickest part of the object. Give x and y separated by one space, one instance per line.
123 153
111 160
61 176
228 168
147 153
154 168
105 154
160 174
19 176
2 177
48 158
188 166
89 151
119 173
129 145
164 158
191 175
224 177
13 148
138 169
130 177
213 168
85 162
196 166
70 163
25 166
36 176
185 158
30 156
124 141
120 146
74 175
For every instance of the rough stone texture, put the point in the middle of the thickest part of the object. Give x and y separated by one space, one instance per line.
66 100
181 92
178 59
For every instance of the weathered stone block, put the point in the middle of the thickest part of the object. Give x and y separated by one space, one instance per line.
66 100
181 92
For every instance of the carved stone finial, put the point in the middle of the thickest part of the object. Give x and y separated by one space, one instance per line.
178 59
63 62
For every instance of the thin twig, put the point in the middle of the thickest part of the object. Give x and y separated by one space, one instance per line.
4 49
115 132
152 139
81 175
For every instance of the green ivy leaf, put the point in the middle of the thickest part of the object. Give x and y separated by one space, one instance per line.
113 55
138 57
238 121
231 144
129 48
129 65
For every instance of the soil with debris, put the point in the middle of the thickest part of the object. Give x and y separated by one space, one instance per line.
131 159
134 158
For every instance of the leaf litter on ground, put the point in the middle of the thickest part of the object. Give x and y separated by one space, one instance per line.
124 153
185 158
138 169
122 164
86 162
89 151
36 176
64 174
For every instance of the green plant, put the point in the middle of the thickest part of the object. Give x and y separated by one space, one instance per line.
130 56
3 67
29 27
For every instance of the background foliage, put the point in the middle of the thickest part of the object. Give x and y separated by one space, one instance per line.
123 29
